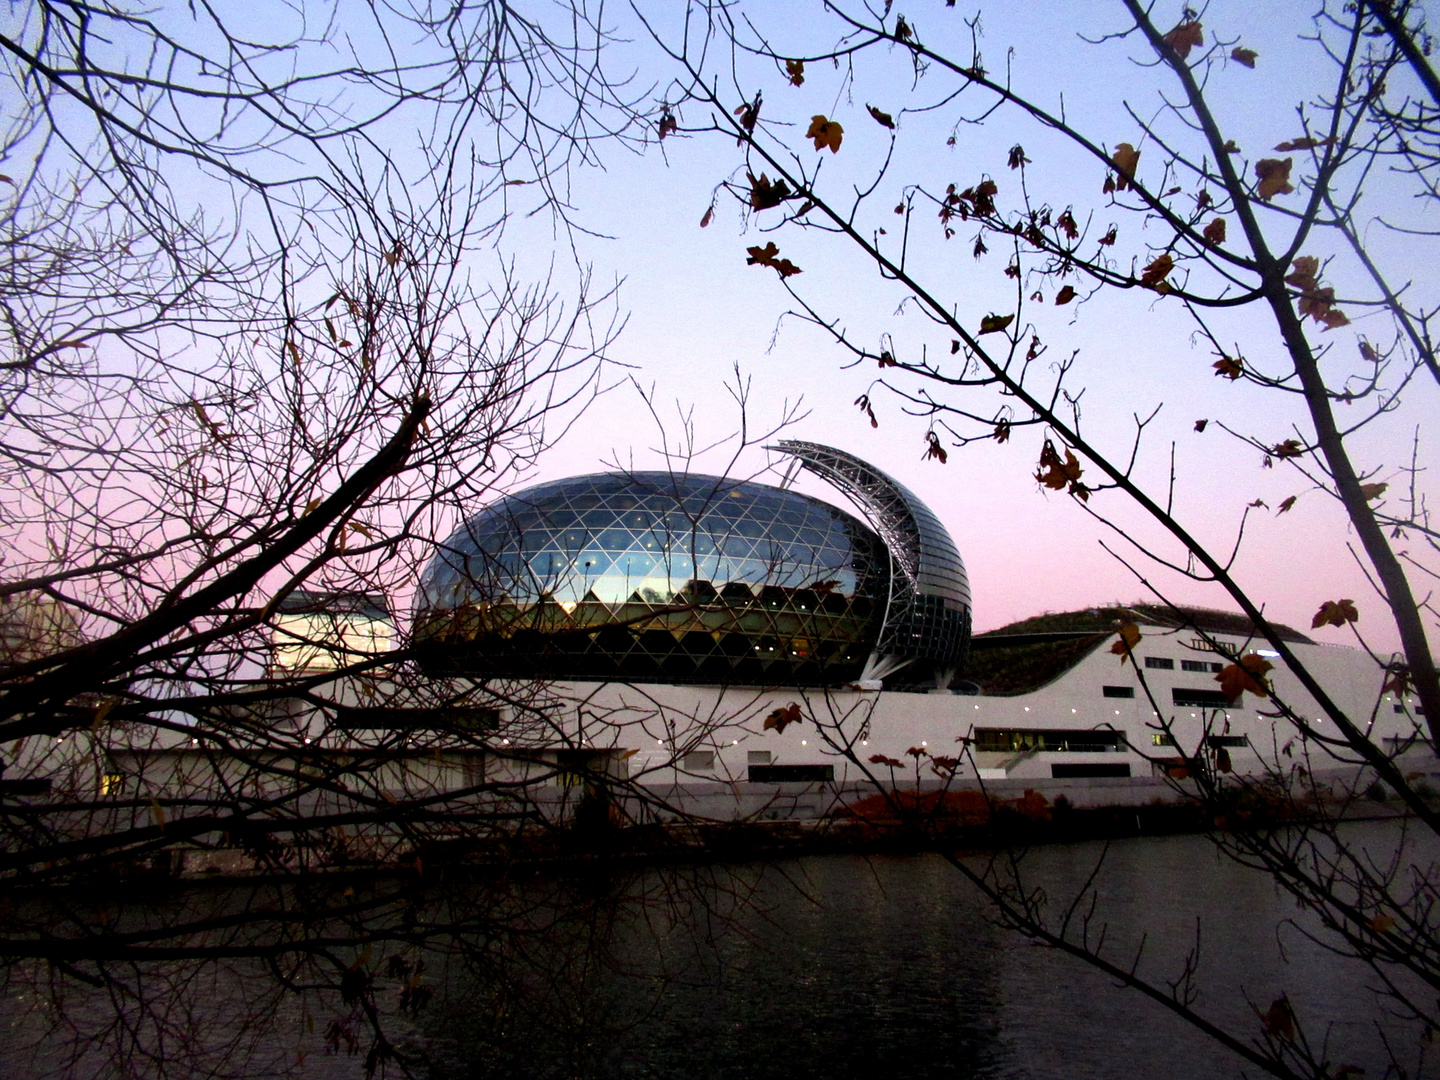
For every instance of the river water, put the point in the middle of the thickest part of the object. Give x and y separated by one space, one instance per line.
890 966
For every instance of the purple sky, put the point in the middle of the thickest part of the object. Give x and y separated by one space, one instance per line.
696 310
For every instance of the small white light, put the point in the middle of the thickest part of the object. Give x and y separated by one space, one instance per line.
804 742
1072 710
1267 652
924 743
661 742
1117 711
977 706
864 742
734 742
307 742
1027 708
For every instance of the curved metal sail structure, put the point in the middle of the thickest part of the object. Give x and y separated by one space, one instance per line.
927 619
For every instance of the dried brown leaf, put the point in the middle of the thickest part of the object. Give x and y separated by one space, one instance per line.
1335 613
1125 159
1185 37
1274 177
825 133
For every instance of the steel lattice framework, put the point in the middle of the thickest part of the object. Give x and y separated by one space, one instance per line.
928 615
685 578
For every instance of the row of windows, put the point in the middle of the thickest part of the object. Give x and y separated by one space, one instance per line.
759 770
1181 696
1165 663
1070 740
1215 742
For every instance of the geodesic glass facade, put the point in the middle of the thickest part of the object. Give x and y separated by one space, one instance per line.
652 576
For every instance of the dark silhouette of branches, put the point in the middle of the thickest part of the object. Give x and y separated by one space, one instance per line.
1202 228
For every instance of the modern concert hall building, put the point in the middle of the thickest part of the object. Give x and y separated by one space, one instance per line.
751 651
654 577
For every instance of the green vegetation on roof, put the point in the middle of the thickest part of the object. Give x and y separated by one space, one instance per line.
1003 663
1109 618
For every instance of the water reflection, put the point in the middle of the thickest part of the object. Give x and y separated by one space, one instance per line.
833 966
841 966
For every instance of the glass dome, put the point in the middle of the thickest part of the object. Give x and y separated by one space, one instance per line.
652 576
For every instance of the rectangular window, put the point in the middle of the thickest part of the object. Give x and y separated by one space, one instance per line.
1159 738
111 783
1199 699
1088 770
1415 710
28 786
698 761
791 774
575 768
1119 691
461 718
1177 768
1163 662
1215 742
1071 740
1201 665
757 757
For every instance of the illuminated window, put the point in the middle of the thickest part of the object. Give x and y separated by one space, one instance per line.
1071 740
1160 738
111 783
